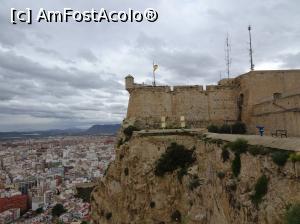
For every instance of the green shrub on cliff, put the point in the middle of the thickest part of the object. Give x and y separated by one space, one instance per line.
292 215
176 156
280 157
236 165
225 155
129 131
256 150
239 146
294 157
221 175
260 190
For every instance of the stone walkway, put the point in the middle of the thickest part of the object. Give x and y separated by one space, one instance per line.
291 143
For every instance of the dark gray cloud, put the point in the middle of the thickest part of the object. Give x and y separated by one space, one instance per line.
23 68
66 75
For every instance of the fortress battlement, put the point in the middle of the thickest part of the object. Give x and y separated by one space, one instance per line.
231 100
130 85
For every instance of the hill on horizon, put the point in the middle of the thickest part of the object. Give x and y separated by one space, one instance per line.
97 129
103 129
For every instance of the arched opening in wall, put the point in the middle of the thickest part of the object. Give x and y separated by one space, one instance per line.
240 103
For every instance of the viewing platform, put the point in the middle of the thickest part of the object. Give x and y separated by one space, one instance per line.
290 143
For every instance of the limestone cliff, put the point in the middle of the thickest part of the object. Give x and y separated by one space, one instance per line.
208 193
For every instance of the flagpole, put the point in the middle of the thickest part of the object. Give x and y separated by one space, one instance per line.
154 84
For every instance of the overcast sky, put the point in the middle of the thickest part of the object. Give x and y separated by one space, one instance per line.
67 75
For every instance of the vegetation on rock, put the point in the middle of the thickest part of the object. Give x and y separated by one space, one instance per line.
260 189
255 150
225 155
176 156
128 131
221 175
239 146
236 165
294 157
292 215
280 157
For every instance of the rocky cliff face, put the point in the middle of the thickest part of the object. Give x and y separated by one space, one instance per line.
208 193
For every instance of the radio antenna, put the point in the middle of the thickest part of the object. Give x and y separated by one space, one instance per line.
250 50
227 56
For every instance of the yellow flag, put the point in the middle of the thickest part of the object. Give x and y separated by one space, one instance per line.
155 67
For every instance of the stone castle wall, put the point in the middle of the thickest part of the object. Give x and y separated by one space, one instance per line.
229 101
198 107
282 113
259 91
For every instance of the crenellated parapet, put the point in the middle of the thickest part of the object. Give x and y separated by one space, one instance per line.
229 101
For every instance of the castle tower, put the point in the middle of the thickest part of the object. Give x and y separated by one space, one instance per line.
129 82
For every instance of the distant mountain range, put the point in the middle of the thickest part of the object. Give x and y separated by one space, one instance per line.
105 129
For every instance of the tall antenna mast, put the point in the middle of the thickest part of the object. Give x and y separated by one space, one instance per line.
227 56
250 51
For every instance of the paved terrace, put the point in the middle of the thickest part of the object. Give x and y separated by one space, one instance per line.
290 143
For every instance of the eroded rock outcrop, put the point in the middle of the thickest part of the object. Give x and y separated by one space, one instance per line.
208 193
